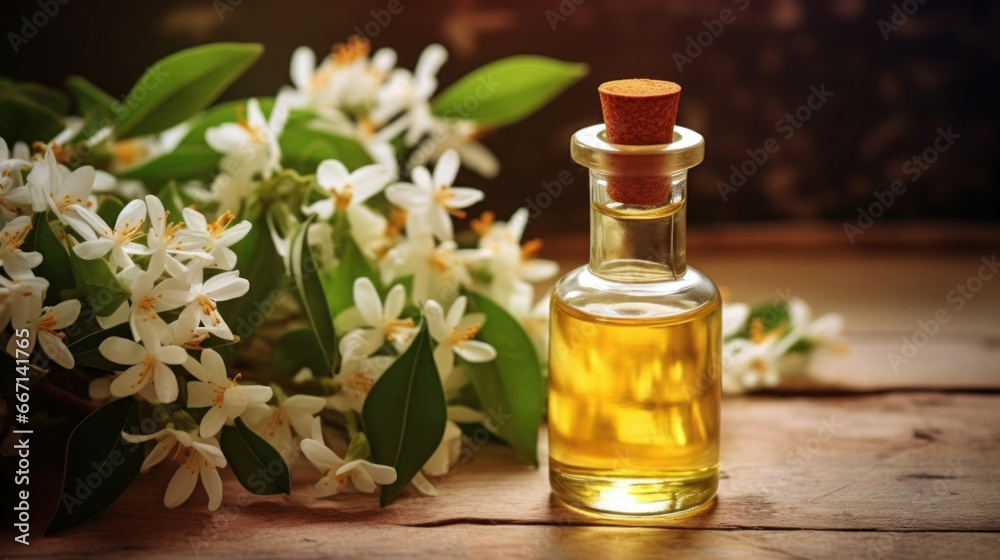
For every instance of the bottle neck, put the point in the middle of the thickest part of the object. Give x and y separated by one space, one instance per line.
638 243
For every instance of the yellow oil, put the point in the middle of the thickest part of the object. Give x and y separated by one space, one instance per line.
634 399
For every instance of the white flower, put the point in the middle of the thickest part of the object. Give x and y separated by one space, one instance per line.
275 422
535 320
220 236
150 297
226 398
198 458
345 189
21 299
734 316
358 374
383 321
120 241
410 95
438 270
13 195
336 472
17 263
822 331
749 364
47 328
150 363
454 333
447 452
460 136
184 332
431 200
511 265
250 145
173 239
205 295
60 190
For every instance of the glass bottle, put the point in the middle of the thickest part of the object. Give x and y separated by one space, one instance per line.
635 349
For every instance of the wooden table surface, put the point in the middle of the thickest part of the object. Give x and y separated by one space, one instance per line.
866 462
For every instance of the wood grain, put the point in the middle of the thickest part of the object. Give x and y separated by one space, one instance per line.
837 472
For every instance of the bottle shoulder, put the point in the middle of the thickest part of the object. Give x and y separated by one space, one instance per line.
692 293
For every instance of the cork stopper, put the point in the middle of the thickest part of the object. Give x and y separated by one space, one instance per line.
639 112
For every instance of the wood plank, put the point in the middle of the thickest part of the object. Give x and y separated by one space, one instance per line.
905 462
315 538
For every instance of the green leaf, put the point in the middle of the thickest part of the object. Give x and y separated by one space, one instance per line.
90 99
507 90
303 149
298 349
183 163
258 261
180 85
24 119
511 389
258 466
308 287
109 208
86 351
55 260
405 414
339 282
47 97
772 316
100 465
95 279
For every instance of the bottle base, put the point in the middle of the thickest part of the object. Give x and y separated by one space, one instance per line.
607 493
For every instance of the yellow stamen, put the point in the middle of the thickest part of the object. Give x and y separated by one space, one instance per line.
757 330
354 49
342 199
129 232
443 196
483 224
393 328
458 336
14 239
277 420
209 308
218 226
530 249
360 384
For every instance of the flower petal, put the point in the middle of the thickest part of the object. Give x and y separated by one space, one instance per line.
444 359
200 394
165 382
368 181
212 422
475 351
367 300
180 487
407 196
463 197
93 249
332 174
212 482
446 169
54 348
321 456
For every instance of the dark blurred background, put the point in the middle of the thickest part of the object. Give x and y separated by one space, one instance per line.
894 85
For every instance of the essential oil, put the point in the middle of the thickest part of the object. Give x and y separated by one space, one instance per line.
634 358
